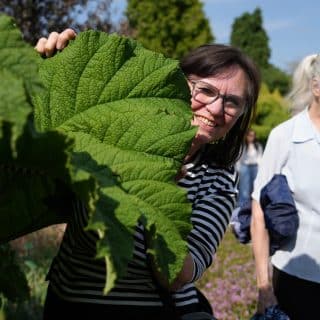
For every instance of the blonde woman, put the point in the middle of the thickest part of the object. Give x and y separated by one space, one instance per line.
293 149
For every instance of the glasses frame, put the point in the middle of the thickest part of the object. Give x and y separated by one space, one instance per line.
219 95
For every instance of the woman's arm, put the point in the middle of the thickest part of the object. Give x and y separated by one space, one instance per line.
212 206
274 157
260 247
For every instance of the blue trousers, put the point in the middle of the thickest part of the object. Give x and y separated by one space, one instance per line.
247 175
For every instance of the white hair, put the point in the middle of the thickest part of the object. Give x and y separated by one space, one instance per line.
300 95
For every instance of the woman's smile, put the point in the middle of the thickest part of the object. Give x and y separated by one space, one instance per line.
201 120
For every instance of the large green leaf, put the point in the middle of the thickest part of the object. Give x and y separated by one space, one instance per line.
112 128
127 108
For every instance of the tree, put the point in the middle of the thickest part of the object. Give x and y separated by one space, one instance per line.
249 35
172 27
276 79
36 18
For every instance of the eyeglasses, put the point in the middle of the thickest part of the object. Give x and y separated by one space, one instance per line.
206 93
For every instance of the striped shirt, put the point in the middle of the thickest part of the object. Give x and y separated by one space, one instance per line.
76 275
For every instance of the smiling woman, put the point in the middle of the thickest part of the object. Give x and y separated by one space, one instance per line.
224 86
215 113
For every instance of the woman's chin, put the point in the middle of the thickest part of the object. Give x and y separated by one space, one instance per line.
202 138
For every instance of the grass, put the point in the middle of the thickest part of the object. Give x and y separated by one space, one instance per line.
229 284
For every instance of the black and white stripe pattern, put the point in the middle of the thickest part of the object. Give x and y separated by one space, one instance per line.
76 275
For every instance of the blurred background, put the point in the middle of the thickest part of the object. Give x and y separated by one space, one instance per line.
276 34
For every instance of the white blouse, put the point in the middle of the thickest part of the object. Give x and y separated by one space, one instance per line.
293 149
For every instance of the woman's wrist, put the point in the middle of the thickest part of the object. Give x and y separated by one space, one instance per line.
264 287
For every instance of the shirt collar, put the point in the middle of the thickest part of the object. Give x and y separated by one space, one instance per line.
303 128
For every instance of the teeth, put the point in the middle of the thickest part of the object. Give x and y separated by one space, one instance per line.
207 121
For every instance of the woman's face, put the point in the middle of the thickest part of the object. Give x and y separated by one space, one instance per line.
217 103
251 136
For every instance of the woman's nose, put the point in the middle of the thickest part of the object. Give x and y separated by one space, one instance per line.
216 107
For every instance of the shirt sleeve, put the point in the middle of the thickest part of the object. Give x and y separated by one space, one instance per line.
210 217
274 157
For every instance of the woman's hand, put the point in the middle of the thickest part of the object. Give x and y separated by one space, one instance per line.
55 41
266 298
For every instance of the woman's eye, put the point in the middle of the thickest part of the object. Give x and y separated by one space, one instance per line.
207 92
232 102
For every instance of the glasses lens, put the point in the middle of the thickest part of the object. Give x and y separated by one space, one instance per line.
233 104
205 93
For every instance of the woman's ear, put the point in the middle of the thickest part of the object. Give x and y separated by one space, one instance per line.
189 84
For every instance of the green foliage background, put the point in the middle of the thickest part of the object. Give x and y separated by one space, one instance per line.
172 27
249 35
39 17
272 110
